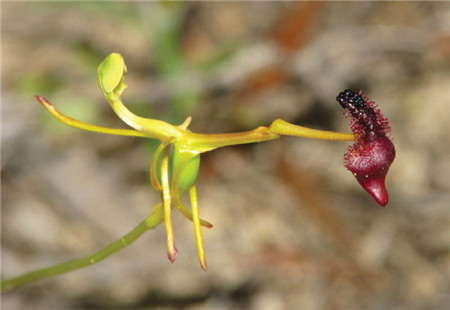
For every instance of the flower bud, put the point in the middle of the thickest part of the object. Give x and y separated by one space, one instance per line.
110 73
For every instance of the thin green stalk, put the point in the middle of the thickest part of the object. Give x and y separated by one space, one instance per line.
155 218
208 142
284 128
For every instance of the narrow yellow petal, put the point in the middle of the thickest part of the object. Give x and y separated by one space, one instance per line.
197 227
172 252
85 126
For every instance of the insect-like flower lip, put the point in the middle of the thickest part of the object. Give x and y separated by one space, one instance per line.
370 157
369 162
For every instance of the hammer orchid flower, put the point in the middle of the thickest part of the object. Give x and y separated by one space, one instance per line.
175 163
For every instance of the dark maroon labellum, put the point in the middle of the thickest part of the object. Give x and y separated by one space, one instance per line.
370 157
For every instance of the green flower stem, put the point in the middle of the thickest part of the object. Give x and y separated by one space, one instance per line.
153 220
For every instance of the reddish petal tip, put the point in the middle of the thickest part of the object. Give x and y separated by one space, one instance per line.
374 185
172 254
42 100
204 266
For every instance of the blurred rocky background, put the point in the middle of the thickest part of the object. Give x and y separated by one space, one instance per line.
292 228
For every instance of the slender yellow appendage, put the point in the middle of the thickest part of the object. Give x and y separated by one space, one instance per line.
167 201
197 227
284 128
85 126
186 123
185 211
